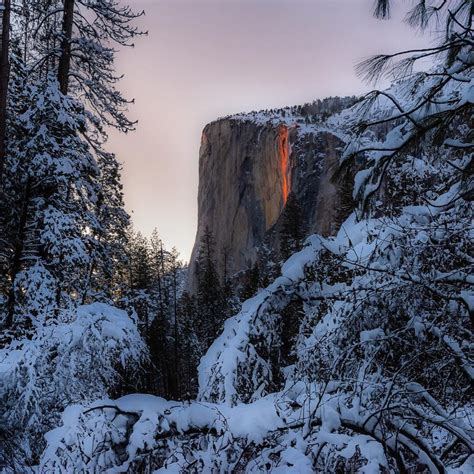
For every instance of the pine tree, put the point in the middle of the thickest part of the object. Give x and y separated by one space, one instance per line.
56 176
104 280
292 227
81 53
139 278
268 262
251 284
159 261
190 348
11 196
210 297
174 274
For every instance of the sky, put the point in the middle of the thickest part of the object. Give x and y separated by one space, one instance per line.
204 59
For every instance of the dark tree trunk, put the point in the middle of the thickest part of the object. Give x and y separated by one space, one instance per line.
65 59
4 77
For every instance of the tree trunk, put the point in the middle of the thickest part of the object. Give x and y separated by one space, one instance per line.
4 77
65 59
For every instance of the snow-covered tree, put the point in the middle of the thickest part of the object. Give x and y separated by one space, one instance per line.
76 40
74 360
210 297
56 174
292 227
56 125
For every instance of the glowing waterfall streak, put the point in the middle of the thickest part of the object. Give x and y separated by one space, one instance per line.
284 155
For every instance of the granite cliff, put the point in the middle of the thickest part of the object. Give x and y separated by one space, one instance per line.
248 166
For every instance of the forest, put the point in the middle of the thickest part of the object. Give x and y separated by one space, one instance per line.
350 352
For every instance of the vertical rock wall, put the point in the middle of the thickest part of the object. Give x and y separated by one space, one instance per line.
248 165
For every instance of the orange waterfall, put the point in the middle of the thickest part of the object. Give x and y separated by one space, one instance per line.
284 154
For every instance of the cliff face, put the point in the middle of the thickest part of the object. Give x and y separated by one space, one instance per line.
248 166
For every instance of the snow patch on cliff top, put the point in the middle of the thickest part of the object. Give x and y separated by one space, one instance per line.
310 118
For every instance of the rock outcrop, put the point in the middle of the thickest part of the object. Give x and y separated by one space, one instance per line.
248 166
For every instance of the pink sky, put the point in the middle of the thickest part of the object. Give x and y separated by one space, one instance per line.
209 58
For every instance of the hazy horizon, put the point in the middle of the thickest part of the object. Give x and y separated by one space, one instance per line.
207 59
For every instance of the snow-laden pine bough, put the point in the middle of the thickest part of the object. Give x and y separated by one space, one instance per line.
278 433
